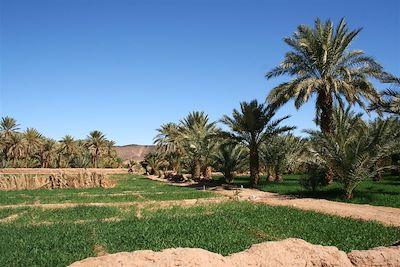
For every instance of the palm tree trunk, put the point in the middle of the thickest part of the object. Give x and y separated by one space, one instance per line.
207 172
254 166
325 104
96 157
196 169
395 163
378 176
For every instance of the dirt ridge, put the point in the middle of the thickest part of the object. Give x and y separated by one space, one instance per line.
288 252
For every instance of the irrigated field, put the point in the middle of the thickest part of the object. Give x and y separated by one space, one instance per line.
126 218
382 193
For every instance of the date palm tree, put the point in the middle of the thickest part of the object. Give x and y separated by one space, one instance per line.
355 147
252 125
197 135
8 126
96 142
228 159
48 152
322 64
282 153
169 142
17 147
33 139
68 147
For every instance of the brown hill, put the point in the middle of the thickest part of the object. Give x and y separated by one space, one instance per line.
134 152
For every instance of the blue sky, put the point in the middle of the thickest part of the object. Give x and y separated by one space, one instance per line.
125 67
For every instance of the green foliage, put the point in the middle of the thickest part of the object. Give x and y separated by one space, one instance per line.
155 162
191 143
322 64
355 147
315 178
31 149
228 159
282 154
390 99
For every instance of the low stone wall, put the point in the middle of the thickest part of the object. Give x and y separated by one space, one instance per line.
83 179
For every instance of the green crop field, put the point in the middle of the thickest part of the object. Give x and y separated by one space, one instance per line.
129 187
383 193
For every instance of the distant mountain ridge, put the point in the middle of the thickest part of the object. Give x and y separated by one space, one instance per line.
133 151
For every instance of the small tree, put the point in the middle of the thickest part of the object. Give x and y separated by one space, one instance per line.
355 147
228 159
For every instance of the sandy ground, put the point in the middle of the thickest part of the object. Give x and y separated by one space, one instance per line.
155 203
66 170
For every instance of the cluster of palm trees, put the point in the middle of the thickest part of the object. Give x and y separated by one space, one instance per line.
197 145
347 148
30 149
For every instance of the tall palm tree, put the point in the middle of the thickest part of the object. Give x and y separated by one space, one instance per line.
197 135
33 139
48 152
96 142
17 148
68 147
251 126
322 64
8 126
169 142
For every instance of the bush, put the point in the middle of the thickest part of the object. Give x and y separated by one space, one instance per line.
315 178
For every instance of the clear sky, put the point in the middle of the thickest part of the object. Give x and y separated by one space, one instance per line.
125 67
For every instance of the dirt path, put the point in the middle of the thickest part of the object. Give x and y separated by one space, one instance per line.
385 215
165 203
64 170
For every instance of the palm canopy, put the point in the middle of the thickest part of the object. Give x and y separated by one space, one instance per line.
96 141
322 64
390 99
68 144
253 124
197 132
168 136
8 125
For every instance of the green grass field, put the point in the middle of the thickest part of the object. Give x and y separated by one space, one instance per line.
383 193
129 187
58 237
